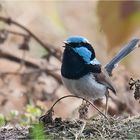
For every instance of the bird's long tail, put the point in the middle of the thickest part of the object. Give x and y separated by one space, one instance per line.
121 54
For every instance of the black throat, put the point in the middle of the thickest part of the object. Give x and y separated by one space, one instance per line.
74 67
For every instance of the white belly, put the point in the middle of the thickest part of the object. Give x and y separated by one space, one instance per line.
85 87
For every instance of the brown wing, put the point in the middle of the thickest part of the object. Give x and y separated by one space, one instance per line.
104 79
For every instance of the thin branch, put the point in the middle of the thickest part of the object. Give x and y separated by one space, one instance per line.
50 48
28 63
51 109
16 33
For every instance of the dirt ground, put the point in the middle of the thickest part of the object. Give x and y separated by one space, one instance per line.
96 128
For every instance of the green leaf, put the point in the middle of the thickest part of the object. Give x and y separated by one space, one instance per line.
33 110
2 120
37 132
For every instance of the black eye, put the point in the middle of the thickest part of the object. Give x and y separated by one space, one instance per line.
82 44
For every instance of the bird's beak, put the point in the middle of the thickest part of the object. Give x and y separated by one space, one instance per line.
66 43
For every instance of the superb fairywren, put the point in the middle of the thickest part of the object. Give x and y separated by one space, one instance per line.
82 73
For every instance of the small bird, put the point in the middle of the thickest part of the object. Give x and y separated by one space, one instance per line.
82 74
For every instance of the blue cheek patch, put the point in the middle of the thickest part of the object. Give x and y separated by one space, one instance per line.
84 53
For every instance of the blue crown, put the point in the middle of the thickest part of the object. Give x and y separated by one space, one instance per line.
76 39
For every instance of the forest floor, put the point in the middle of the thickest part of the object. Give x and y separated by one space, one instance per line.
96 128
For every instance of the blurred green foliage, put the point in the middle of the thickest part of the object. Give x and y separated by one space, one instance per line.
55 17
29 116
37 132
2 120
33 110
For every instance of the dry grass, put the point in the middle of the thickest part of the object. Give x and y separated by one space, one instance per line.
97 128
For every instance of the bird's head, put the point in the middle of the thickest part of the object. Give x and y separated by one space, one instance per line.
82 47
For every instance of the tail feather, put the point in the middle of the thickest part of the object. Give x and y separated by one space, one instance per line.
121 54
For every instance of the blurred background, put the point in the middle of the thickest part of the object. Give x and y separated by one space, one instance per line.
108 25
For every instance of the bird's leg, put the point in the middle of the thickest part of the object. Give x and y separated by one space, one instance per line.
106 105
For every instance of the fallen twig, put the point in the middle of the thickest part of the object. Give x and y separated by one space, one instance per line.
43 118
